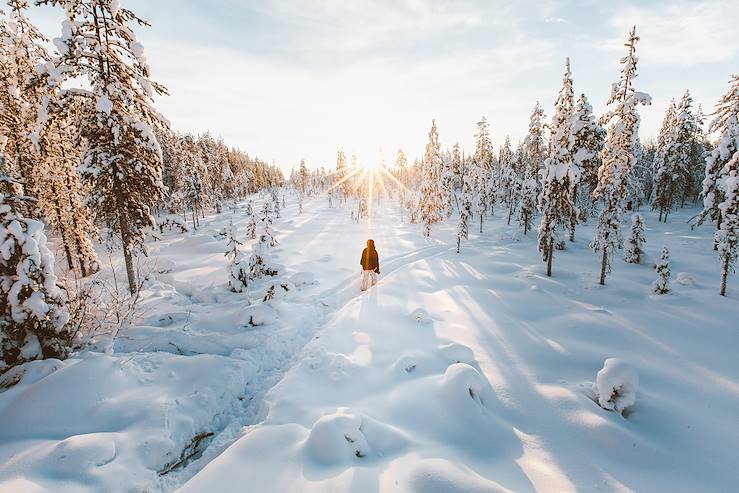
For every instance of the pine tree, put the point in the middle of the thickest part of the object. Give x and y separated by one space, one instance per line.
618 157
686 147
251 228
481 186
560 176
485 160
533 155
33 313
123 160
720 183
727 236
303 177
267 237
666 174
431 199
588 143
634 251
507 175
238 278
465 212
457 165
21 51
662 284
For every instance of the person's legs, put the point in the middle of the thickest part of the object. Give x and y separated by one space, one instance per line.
373 274
365 280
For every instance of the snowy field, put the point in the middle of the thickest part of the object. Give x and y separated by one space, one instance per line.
468 372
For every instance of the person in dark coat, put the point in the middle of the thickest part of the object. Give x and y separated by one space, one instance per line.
370 263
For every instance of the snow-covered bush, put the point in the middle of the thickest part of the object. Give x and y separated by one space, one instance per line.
259 266
662 284
33 315
238 269
633 251
616 385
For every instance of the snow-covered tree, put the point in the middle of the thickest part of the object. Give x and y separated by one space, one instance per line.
251 227
267 237
727 236
238 273
534 154
687 147
431 202
662 284
634 251
560 176
465 211
303 178
33 314
666 176
22 49
588 143
506 174
618 156
123 160
720 185
484 159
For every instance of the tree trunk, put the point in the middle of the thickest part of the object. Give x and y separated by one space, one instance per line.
724 275
550 256
603 266
126 240
459 240
660 214
63 233
510 211
481 216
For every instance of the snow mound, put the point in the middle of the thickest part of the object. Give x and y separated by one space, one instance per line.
457 353
29 373
421 316
465 390
345 437
260 315
685 279
441 476
616 385
303 279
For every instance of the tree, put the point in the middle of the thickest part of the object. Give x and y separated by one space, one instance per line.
687 152
634 251
665 164
267 237
484 158
588 143
465 212
727 236
123 161
238 273
560 176
618 156
21 51
431 203
303 177
662 284
507 175
33 313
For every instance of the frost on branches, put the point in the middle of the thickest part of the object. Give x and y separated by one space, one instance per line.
618 157
634 251
33 315
560 176
662 284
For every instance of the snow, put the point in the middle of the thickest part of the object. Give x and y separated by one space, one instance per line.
468 372
616 385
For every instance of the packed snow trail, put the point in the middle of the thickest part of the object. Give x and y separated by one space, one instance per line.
474 372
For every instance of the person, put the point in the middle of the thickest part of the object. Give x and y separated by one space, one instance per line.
370 263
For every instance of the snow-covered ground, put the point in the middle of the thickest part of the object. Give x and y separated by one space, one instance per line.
457 373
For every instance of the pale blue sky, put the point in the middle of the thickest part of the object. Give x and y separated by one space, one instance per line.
286 79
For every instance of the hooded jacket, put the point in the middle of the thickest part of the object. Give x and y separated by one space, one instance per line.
370 260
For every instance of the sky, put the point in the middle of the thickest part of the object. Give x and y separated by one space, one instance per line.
287 80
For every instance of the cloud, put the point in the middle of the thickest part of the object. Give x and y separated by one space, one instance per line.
684 34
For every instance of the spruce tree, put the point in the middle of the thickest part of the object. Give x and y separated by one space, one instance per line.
33 312
686 147
588 143
666 175
238 278
720 185
123 161
618 157
465 212
634 251
662 284
431 199
560 176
